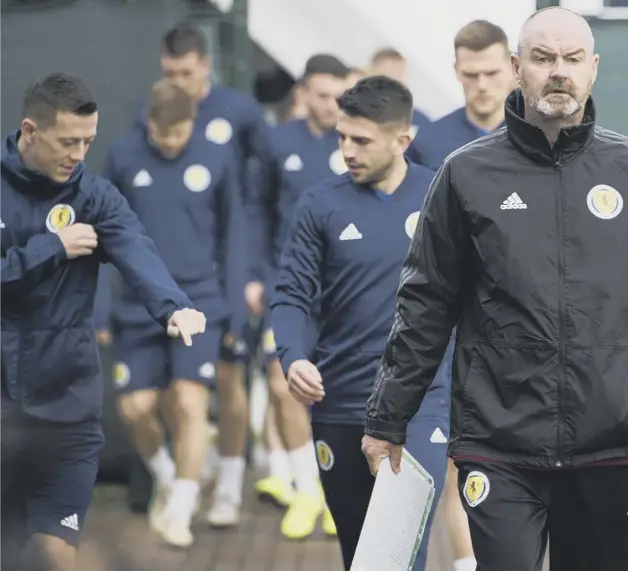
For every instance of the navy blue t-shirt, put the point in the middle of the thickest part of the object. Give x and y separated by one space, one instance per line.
436 141
299 160
191 206
347 241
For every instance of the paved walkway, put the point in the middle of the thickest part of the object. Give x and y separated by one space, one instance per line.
117 540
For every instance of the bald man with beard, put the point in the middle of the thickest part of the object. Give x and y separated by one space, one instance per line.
521 245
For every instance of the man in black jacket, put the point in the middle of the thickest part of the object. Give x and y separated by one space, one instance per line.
522 245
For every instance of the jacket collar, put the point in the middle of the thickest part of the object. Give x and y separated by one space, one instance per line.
27 181
531 141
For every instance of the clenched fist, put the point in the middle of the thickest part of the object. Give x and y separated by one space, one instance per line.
186 323
78 240
305 382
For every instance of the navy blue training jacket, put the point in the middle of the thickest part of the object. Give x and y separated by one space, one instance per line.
50 361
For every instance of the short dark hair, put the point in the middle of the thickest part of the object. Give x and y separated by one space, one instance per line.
378 98
56 92
480 35
169 104
183 39
387 54
325 64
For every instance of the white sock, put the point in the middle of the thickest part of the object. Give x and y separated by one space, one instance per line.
161 465
465 564
182 500
230 478
305 469
279 465
210 465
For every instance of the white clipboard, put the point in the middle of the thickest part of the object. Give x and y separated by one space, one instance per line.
396 518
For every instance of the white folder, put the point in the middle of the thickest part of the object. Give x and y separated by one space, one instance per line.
396 518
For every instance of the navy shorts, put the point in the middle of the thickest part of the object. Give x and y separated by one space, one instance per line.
48 474
348 483
153 360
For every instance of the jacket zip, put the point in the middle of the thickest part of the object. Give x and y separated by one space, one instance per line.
18 387
558 462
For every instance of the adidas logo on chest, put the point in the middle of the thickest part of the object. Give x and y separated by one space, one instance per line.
350 233
513 202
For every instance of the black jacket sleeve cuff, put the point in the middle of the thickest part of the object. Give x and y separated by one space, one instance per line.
393 432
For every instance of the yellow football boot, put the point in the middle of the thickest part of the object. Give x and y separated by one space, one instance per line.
274 490
301 517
